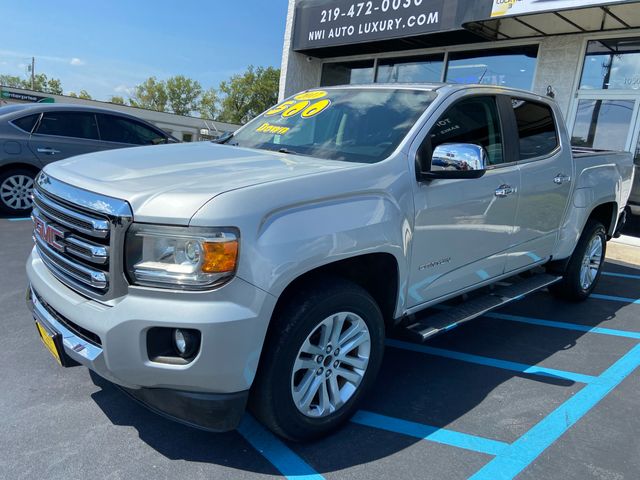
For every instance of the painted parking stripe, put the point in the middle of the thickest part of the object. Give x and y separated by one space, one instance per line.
613 298
530 446
430 433
492 362
19 219
275 451
621 275
564 325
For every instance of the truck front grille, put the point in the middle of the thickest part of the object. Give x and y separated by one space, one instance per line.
79 236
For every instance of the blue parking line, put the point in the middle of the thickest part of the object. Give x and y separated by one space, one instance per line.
621 275
564 325
493 362
430 433
19 219
613 298
276 452
530 446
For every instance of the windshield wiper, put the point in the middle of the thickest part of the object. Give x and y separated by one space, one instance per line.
224 138
287 151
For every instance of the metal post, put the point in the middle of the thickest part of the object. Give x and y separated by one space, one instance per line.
33 73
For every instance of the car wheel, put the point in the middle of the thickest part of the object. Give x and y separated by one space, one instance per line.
585 266
16 189
323 354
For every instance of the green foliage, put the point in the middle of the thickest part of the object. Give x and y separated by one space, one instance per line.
83 94
117 99
41 83
11 81
249 94
209 104
150 94
183 94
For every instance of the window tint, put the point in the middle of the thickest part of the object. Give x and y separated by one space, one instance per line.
69 124
346 73
415 69
536 129
124 130
474 120
26 123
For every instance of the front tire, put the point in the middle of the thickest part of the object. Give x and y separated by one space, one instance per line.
585 266
322 356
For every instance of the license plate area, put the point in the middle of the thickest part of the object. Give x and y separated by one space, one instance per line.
52 341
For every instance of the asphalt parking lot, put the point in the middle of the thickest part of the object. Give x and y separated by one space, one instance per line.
538 390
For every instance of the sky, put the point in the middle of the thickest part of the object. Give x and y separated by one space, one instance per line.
108 47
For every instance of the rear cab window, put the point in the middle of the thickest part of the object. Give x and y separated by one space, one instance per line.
69 124
537 133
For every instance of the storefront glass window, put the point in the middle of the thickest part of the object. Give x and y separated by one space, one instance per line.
346 73
612 65
602 124
508 67
408 70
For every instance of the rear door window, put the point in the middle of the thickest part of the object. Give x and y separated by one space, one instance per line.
123 130
536 128
69 124
26 123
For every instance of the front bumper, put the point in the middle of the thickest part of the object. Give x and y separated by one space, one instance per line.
110 339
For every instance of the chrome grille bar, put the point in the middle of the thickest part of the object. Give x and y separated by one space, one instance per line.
56 262
94 227
80 235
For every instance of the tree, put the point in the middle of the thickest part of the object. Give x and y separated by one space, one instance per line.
117 99
249 94
83 94
183 94
209 107
41 83
150 94
11 81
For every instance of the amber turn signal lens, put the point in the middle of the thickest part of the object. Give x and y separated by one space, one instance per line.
220 257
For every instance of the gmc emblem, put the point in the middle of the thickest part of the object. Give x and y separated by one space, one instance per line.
48 233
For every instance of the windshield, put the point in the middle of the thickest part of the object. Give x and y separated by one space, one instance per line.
352 125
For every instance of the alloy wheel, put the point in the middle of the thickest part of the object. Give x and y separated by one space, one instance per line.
16 192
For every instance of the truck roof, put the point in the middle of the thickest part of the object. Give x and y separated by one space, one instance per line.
427 87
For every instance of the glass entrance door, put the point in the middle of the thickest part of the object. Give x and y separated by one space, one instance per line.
605 115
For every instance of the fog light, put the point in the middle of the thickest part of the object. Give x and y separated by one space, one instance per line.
186 342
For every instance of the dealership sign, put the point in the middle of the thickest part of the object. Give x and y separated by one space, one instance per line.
25 97
503 8
340 22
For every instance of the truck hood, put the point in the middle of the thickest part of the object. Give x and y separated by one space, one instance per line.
169 183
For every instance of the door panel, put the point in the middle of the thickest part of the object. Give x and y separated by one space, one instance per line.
62 135
545 184
462 233
463 228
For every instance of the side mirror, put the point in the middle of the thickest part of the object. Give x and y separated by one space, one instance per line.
457 160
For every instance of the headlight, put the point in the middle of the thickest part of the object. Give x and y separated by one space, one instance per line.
179 257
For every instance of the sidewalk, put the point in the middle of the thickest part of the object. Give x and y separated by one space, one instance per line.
625 249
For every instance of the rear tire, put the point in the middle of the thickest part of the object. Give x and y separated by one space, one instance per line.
16 189
585 266
306 387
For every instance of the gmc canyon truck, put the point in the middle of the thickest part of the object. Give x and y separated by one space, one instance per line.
265 270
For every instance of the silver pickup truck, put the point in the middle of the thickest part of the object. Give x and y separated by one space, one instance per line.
266 269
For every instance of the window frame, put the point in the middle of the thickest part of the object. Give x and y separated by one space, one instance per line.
161 133
507 147
35 125
516 131
42 114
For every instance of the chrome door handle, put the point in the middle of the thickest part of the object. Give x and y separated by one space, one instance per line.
561 178
505 190
48 150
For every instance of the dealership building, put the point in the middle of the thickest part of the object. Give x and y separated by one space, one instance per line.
584 53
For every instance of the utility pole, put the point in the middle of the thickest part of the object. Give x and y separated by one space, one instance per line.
33 72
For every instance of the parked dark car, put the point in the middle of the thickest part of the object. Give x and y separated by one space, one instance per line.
33 135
